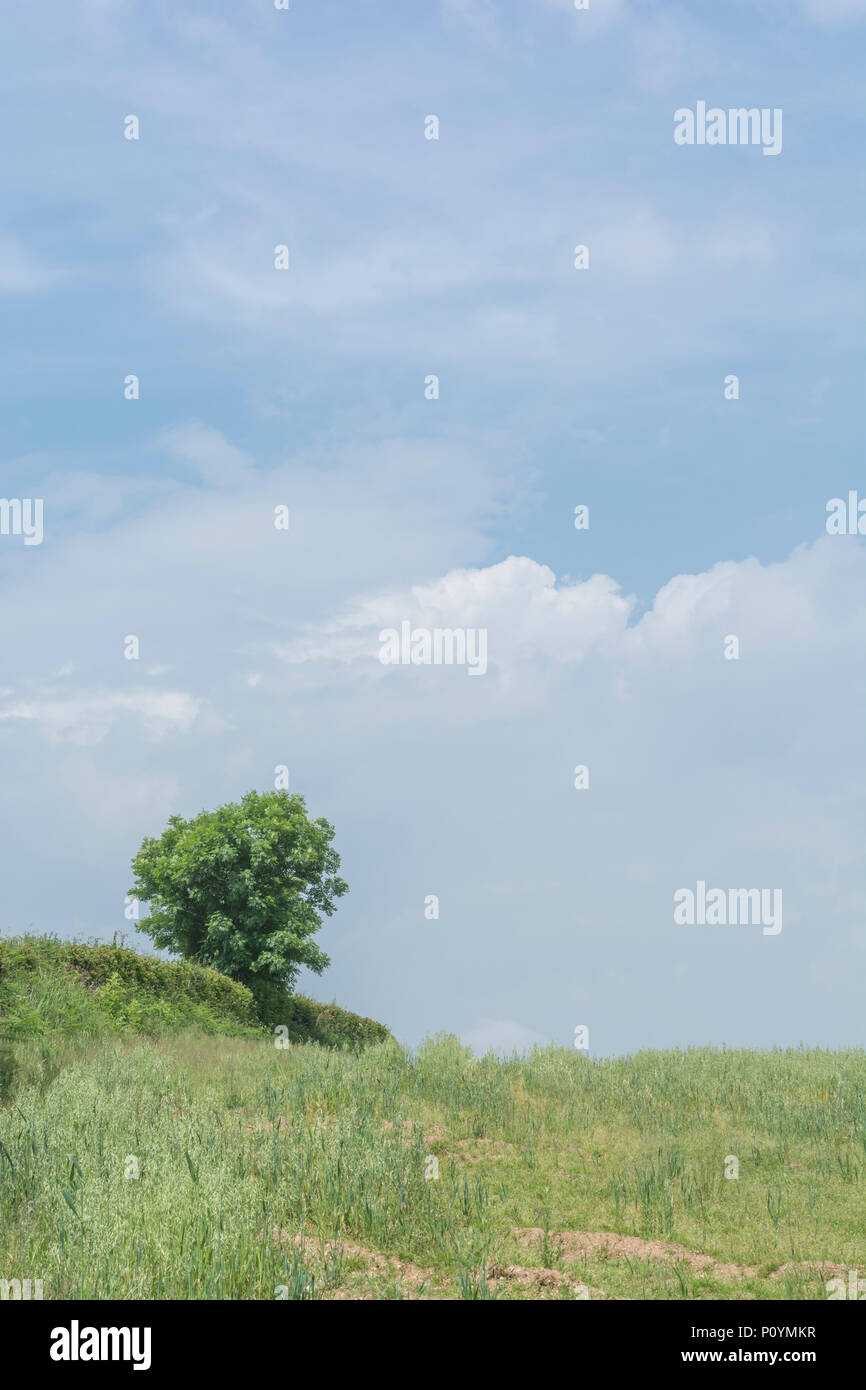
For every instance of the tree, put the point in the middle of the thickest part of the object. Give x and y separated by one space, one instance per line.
242 889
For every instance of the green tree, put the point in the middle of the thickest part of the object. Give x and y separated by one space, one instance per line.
242 889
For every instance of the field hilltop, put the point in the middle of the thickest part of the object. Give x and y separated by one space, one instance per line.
160 1139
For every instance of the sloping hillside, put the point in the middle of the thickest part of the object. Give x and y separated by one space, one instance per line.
194 1167
51 990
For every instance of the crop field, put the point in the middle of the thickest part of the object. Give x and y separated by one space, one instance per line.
192 1166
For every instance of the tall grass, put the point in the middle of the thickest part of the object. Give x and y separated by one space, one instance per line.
197 1167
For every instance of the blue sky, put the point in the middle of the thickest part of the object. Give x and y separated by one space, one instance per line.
305 387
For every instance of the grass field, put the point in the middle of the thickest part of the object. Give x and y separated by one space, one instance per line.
198 1166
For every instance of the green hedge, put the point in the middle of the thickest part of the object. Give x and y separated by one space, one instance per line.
308 1021
150 977
50 988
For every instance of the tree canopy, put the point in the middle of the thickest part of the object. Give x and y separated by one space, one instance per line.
243 888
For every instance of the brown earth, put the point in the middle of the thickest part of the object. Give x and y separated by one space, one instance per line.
589 1244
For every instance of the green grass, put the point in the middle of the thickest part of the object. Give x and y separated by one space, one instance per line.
53 990
208 1166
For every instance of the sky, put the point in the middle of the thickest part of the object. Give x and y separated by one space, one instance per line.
431 386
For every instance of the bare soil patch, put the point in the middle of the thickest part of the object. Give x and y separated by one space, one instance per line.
590 1244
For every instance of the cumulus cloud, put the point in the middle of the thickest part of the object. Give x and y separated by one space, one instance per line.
530 617
517 600
558 386
556 903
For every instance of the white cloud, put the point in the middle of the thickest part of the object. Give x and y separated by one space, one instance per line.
478 16
517 600
502 1036
596 18
736 772
217 462
87 719
22 272
833 11
453 257
531 618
